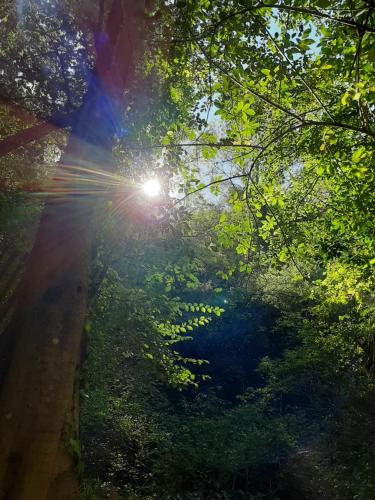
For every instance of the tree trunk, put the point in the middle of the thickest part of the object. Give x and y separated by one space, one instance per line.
38 403
37 392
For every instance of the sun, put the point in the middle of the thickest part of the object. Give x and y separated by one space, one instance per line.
152 187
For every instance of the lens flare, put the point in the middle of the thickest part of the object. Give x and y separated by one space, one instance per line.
152 187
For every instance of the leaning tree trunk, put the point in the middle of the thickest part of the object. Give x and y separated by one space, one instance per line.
37 399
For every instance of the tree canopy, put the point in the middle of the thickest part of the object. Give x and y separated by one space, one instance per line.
228 321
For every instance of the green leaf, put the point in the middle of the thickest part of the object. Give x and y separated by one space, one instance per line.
358 154
283 255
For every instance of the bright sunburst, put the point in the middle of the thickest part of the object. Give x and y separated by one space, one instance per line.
152 187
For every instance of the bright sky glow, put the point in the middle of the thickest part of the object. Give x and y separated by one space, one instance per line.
152 187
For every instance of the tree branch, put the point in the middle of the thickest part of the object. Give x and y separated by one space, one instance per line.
300 10
192 144
36 132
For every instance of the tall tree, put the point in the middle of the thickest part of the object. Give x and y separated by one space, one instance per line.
37 394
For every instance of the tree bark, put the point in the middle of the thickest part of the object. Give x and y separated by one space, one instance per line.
38 407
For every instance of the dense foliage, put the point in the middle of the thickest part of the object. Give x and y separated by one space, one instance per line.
230 337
